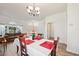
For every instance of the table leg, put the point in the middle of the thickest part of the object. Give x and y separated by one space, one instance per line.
4 48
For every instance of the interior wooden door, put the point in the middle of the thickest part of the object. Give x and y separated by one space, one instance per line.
50 30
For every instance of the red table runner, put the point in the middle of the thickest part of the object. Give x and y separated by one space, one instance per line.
48 45
37 38
28 41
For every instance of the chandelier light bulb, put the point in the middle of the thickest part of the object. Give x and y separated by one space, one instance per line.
38 12
37 8
30 7
28 10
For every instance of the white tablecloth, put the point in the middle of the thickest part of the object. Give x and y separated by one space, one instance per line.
34 49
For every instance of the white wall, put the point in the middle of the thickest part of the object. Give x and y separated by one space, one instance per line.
73 28
41 26
60 28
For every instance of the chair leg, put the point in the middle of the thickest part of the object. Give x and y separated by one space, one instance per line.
54 53
17 49
4 49
27 55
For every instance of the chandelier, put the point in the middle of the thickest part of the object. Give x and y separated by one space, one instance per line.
33 10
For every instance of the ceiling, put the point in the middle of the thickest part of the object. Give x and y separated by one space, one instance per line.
18 10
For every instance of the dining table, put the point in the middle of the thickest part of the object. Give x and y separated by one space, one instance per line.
42 47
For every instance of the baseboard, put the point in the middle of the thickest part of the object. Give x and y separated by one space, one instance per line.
75 53
62 43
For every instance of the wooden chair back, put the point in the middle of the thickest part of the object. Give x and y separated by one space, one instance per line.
53 52
56 42
23 47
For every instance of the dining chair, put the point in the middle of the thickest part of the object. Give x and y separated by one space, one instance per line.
55 48
3 42
53 52
23 47
17 48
